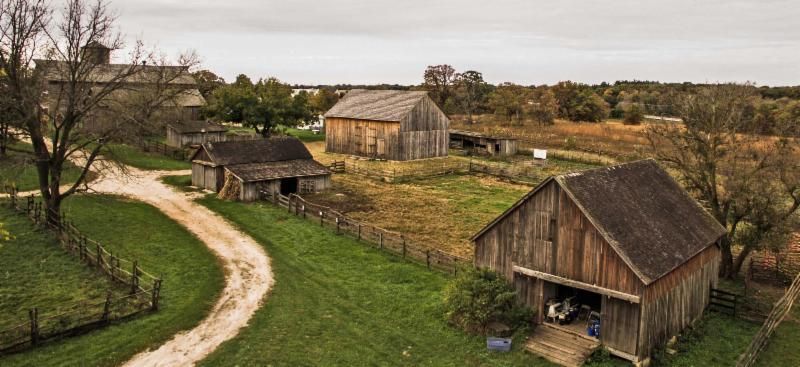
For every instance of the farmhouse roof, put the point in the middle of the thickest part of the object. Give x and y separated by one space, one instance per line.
274 149
56 71
377 105
185 127
642 212
252 172
476 134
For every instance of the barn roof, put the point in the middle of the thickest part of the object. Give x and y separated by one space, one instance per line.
56 71
185 127
476 134
252 172
642 212
274 149
377 105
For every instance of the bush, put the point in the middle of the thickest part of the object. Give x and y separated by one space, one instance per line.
478 297
633 115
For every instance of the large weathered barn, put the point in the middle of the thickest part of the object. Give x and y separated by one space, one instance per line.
186 133
626 240
244 168
387 124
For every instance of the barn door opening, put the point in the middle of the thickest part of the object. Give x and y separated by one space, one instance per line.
571 308
289 186
372 142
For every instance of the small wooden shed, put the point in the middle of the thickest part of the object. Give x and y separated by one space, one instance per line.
387 124
478 143
626 239
278 164
186 133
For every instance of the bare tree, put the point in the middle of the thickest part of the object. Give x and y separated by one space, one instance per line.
749 183
69 90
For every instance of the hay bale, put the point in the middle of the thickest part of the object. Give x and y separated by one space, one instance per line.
231 189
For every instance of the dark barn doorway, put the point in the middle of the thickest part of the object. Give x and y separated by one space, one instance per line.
289 186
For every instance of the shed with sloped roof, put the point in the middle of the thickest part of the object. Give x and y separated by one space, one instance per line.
387 124
627 240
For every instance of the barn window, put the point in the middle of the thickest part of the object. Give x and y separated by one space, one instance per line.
307 186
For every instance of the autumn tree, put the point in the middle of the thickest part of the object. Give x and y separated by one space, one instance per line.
438 81
208 82
748 182
633 114
322 101
543 106
229 102
578 102
509 100
470 91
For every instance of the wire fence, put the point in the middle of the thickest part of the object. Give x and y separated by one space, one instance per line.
142 290
383 239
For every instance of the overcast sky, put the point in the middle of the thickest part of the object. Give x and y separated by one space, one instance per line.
527 42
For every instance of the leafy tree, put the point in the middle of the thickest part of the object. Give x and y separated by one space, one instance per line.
509 100
478 297
229 102
633 115
438 81
274 105
470 91
208 82
746 182
322 101
544 107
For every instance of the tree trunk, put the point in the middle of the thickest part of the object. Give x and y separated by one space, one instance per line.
737 265
726 266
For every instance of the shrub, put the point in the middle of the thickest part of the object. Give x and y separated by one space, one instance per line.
478 297
633 115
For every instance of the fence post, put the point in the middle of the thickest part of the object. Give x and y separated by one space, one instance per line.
33 314
359 231
99 257
337 224
428 258
156 293
321 218
134 277
107 307
404 246
380 240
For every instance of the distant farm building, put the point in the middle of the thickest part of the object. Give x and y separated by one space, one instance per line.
477 143
242 169
178 96
387 124
627 242
187 133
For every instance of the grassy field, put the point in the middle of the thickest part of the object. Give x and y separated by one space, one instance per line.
192 281
180 182
337 302
782 348
17 167
134 157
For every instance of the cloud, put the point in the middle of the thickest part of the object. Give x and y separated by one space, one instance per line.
529 42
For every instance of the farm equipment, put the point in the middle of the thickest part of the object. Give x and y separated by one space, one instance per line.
593 324
563 312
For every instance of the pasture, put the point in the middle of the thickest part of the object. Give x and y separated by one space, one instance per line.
17 167
192 279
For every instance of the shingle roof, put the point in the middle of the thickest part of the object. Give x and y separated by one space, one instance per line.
252 172
274 149
642 212
377 105
184 127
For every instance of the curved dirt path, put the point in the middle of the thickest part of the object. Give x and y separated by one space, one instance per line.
248 275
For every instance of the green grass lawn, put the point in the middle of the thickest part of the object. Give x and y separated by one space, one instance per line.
782 349
18 168
180 182
135 157
305 135
337 302
192 281
38 273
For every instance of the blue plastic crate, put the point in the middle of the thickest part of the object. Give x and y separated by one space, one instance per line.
498 344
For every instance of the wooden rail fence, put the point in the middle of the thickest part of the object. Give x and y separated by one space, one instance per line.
390 241
517 173
724 301
779 312
161 148
142 290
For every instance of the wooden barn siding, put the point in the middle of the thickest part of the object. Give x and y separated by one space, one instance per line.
178 140
251 191
619 320
674 301
207 176
340 137
583 254
424 133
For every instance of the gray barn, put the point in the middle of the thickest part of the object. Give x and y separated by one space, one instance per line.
626 239
186 133
478 143
387 124
244 168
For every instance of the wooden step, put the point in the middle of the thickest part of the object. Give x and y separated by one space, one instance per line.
561 346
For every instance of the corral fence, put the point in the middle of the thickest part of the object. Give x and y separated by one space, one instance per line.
139 291
525 174
150 146
723 301
385 240
776 316
776 267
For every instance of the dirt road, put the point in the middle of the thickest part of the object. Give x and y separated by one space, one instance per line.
248 275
